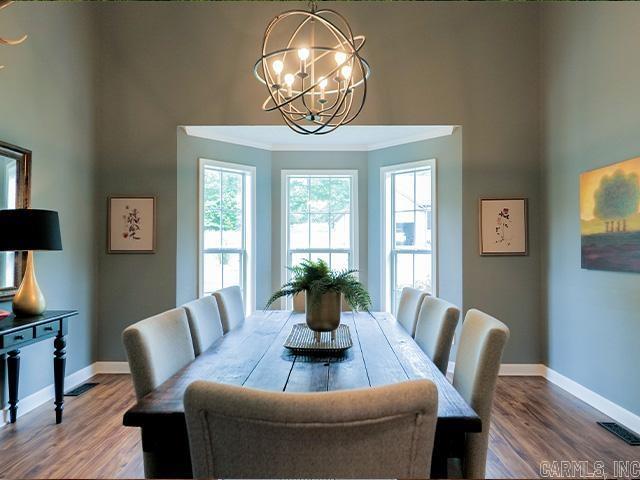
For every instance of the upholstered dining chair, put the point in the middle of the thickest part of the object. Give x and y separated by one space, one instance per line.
156 349
478 359
231 307
408 308
437 321
204 322
383 432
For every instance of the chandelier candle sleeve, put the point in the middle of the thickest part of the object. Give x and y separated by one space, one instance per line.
306 49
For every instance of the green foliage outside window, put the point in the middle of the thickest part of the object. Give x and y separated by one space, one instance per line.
320 196
222 210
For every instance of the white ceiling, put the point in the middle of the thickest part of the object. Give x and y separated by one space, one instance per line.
358 138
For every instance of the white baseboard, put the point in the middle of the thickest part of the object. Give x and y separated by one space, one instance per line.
46 394
514 369
597 401
112 367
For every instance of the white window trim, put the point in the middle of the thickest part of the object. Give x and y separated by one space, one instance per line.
249 273
385 226
284 232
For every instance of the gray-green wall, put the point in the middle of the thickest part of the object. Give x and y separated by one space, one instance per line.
107 82
469 64
591 101
47 105
447 151
190 150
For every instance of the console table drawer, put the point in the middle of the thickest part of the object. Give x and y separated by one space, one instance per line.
46 329
15 338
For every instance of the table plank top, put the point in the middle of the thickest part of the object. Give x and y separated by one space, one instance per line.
253 355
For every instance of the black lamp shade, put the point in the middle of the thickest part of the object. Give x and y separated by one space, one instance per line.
29 229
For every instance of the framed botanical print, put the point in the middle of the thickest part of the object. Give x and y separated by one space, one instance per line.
503 226
131 225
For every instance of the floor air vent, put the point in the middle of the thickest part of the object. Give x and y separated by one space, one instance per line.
619 431
79 390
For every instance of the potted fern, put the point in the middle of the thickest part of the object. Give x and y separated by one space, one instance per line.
323 289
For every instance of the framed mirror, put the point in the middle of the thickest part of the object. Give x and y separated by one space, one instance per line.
15 192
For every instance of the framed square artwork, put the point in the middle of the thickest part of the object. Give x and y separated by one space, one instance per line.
131 225
503 226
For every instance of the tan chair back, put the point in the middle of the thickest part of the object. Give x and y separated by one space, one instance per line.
204 322
478 360
408 308
384 432
157 348
231 307
437 321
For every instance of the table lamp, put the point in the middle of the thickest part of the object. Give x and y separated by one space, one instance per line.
29 229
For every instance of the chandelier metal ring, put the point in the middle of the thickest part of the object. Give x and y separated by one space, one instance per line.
303 97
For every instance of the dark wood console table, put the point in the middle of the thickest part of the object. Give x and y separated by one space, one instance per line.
18 332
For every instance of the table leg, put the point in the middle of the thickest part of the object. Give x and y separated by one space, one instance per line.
13 366
59 361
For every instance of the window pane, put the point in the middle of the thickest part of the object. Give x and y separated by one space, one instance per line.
298 194
321 256
212 272
319 230
422 272
296 258
340 201
320 195
340 230
298 230
7 277
339 261
211 210
404 195
232 269
231 210
423 189
423 234
405 230
404 270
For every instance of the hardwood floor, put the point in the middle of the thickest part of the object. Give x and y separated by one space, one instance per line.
533 421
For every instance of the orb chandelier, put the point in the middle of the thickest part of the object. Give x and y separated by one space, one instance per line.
9 41
313 70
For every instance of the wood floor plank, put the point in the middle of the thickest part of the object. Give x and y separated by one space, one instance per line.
533 421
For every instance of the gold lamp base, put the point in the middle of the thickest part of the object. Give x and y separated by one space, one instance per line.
29 300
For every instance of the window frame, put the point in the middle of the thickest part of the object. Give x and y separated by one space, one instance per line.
284 212
247 252
387 230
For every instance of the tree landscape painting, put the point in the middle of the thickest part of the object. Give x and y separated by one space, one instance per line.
610 217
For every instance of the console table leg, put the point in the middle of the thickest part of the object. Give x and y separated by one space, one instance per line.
59 360
13 367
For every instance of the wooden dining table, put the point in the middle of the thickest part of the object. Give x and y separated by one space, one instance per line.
254 356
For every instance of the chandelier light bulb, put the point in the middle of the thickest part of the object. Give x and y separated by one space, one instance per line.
288 79
277 66
303 53
340 57
323 85
346 72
